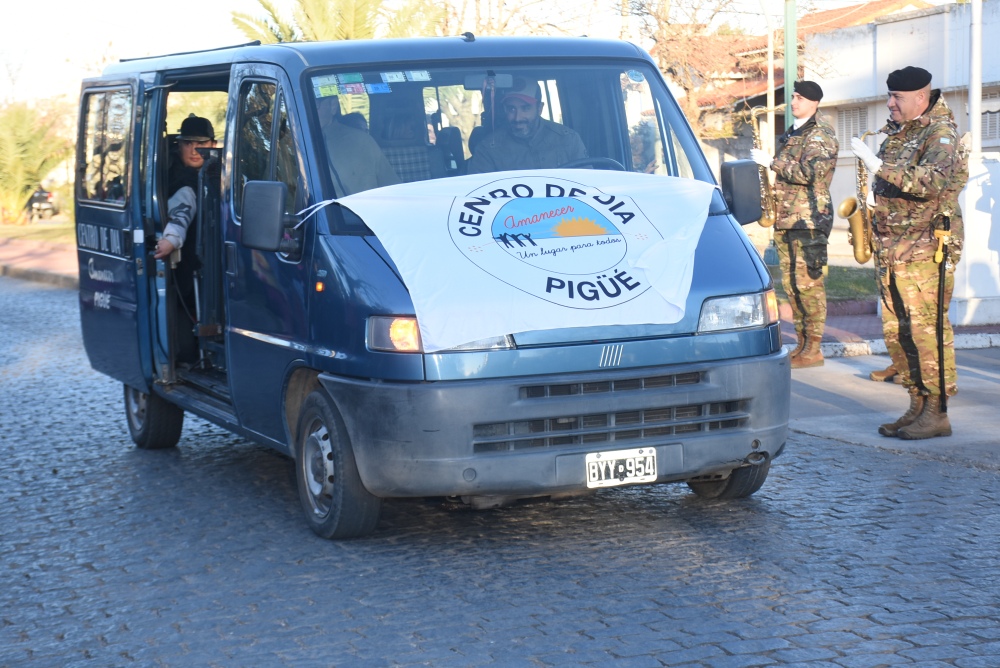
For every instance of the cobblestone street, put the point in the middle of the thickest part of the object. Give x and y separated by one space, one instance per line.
849 556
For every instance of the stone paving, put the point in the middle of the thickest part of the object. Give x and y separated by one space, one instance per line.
849 556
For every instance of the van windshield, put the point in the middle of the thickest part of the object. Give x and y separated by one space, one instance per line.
387 126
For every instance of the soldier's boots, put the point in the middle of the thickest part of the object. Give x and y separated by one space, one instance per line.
886 374
932 422
800 341
811 354
917 402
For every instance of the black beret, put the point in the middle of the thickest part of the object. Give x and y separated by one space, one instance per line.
909 78
810 90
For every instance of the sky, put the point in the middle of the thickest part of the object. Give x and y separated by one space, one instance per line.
54 49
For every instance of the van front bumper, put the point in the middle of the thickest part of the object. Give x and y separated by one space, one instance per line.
529 435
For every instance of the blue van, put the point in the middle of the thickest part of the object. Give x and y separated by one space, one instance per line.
380 277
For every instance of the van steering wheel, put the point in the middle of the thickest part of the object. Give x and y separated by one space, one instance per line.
598 162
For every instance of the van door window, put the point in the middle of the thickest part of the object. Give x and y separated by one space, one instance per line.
265 149
253 137
654 145
103 168
286 168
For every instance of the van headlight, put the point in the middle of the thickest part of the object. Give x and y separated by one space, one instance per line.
394 334
738 312
401 334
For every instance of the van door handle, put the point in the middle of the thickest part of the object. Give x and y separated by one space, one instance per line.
231 259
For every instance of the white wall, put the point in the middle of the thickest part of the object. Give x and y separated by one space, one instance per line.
976 300
853 63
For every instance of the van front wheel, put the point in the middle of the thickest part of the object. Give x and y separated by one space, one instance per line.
153 422
335 501
741 483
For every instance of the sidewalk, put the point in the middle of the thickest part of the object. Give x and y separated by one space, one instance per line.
39 261
852 328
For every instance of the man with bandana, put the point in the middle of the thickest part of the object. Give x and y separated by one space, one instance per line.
919 171
803 168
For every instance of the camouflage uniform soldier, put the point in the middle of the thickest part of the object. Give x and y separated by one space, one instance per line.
920 169
803 167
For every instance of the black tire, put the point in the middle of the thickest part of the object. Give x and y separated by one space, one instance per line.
741 483
153 422
334 499
597 162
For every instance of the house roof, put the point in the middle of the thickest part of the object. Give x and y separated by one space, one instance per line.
741 57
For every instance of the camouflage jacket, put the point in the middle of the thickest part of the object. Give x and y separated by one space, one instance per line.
924 167
803 169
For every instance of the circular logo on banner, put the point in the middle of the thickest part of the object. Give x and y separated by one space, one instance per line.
562 241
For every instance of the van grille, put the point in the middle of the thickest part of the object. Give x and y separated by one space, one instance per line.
621 385
610 428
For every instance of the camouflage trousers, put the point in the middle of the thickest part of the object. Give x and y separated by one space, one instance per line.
909 324
802 260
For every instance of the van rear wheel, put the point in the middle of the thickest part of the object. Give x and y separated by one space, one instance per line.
153 422
334 499
741 483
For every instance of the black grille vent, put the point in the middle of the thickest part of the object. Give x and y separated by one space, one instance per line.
623 385
610 428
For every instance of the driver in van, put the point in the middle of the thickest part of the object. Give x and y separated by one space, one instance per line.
528 141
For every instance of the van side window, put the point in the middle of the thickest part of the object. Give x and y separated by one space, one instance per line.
286 168
102 169
253 137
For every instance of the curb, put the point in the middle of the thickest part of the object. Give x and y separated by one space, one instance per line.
39 276
877 346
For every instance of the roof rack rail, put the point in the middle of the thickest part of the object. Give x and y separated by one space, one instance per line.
256 42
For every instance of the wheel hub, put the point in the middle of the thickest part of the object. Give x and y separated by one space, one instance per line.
318 468
136 401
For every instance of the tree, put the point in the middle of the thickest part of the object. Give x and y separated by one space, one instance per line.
318 20
685 47
31 146
522 17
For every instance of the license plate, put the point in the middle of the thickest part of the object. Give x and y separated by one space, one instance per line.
621 467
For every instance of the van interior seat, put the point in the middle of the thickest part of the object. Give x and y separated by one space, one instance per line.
403 139
449 141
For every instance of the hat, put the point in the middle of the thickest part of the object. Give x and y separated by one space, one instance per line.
810 90
525 90
196 128
908 78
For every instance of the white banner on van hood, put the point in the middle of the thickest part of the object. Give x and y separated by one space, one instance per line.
492 254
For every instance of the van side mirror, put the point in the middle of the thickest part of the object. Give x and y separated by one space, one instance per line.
264 219
741 189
